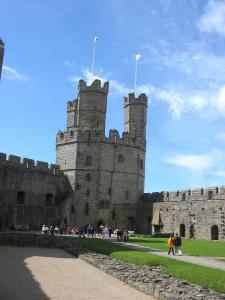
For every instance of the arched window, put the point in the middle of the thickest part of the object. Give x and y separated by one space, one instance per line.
20 198
121 158
214 232
182 230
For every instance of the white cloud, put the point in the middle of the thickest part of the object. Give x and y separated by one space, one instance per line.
13 74
193 162
213 18
220 173
70 63
220 136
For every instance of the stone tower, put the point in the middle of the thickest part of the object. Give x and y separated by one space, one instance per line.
1 55
106 173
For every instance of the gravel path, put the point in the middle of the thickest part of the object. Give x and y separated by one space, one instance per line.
41 274
211 262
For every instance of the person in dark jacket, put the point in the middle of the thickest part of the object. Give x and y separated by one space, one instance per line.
177 244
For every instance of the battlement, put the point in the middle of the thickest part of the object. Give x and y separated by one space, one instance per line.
28 163
71 105
126 139
207 193
94 87
131 100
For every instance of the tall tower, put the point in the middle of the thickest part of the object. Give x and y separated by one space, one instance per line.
78 149
135 111
1 55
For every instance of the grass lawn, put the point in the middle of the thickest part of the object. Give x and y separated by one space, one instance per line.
203 276
191 247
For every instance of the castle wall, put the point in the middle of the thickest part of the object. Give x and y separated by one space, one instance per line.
191 213
31 193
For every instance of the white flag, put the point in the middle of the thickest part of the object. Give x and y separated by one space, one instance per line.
95 39
137 56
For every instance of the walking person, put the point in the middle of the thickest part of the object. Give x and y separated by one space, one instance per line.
177 243
170 244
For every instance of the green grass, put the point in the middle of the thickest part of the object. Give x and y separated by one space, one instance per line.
191 247
203 276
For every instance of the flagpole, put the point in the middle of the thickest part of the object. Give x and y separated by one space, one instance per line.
93 60
137 57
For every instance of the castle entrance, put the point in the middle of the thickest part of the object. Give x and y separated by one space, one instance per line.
182 230
214 232
191 231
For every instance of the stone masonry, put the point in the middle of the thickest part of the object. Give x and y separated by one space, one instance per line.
99 179
106 173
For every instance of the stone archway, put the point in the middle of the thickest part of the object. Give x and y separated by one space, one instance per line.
182 230
191 231
214 232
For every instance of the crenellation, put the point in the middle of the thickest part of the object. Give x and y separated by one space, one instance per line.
29 163
14 159
140 100
41 165
3 156
94 87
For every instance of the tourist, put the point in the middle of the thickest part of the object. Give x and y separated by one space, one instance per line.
89 230
125 236
92 231
170 244
177 244
106 232
52 230
110 231
56 230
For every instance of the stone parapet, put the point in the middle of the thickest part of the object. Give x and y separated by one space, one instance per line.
27 163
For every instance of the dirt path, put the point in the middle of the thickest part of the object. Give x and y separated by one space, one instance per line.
211 262
41 274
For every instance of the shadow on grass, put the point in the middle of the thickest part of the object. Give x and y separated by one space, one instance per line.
133 240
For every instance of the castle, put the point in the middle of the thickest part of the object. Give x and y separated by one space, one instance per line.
99 179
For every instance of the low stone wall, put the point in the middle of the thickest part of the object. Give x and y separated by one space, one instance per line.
148 279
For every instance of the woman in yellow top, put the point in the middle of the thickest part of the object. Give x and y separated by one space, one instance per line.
170 244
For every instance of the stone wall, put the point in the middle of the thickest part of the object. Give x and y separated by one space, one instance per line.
31 194
197 213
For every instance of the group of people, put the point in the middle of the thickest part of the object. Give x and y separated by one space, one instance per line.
53 229
122 235
174 244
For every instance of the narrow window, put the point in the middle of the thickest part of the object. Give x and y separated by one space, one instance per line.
110 191
127 195
71 133
141 164
88 160
86 209
20 198
88 177
183 197
202 192
113 215
189 192
217 190
77 186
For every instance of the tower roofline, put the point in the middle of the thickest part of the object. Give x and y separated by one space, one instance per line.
142 99
94 87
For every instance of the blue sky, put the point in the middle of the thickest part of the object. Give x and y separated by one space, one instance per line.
182 69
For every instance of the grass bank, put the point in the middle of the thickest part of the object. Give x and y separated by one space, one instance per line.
190 247
203 276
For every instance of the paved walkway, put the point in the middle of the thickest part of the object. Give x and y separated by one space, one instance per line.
43 274
211 262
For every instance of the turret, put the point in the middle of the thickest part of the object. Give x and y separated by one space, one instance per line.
72 114
1 55
135 111
91 107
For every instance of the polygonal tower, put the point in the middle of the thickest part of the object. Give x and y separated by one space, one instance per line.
106 173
